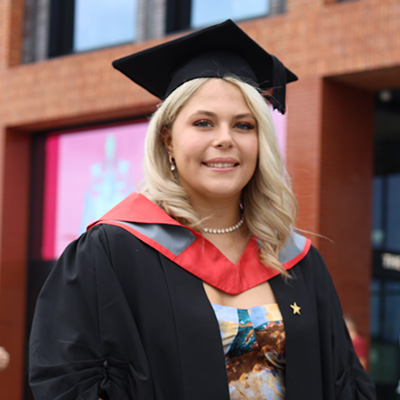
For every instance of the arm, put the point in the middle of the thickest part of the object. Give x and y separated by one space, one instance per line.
84 342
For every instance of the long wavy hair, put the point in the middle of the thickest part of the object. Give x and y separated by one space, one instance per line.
270 208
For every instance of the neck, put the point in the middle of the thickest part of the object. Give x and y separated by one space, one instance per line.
219 215
222 216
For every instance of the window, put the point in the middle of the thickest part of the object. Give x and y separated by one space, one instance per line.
82 25
224 9
386 213
100 23
385 290
186 14
54 28
385 329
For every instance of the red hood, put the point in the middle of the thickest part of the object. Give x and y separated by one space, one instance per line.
191 251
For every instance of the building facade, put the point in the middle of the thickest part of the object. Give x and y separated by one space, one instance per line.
342 140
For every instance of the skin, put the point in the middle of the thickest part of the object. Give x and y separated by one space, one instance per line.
214 142
352 328
4 358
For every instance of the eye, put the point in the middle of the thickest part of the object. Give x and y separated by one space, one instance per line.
202 123
245 126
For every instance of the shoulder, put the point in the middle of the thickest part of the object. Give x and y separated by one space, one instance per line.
106 236
100 248
313 272
313 263
314 257
119 249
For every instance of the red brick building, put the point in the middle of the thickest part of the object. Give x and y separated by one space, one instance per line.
347 56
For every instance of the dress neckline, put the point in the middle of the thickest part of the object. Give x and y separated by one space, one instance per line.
269 305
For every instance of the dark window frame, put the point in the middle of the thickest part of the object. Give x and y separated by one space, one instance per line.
61 31
178 15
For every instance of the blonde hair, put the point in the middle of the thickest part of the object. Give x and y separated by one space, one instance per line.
270 207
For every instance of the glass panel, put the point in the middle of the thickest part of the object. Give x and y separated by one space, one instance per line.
378 232
208 12
393 212
391 329
375 308
385 331
101 23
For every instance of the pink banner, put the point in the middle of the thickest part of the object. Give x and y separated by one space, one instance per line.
88 172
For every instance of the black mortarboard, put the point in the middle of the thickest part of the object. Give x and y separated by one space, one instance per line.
216 51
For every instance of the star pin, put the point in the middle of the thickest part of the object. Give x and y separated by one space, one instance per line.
296 308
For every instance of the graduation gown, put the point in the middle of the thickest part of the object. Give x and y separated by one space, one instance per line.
124 314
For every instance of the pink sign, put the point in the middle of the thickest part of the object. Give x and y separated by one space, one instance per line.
87 173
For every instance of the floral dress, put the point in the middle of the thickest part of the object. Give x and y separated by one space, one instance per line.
254 347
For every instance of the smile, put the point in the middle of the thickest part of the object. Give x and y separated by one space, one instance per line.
221 165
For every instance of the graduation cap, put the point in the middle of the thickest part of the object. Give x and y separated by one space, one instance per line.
213 52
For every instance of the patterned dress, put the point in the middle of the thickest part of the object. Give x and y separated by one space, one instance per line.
254 346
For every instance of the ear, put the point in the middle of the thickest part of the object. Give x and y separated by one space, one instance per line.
167 138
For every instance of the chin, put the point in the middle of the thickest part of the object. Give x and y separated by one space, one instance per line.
224 193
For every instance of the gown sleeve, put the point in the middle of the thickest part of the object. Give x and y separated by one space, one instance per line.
351 381
84 341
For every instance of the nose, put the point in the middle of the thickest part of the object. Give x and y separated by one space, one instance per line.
223 137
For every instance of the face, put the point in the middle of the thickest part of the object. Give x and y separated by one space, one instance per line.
214 142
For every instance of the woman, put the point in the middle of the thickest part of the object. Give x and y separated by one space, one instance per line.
198 288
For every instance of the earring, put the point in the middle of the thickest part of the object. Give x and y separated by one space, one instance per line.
171 160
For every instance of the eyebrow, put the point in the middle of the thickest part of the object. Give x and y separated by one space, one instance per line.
211 114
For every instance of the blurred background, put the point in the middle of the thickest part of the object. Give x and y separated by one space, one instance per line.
72 131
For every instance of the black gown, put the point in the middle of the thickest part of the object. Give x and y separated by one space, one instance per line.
122 316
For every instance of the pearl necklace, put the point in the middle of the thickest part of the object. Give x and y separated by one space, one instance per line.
226 230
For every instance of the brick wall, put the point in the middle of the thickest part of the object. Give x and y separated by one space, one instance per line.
346 193
356 44
331 126
303 134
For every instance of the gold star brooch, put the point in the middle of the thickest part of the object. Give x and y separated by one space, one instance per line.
296 308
